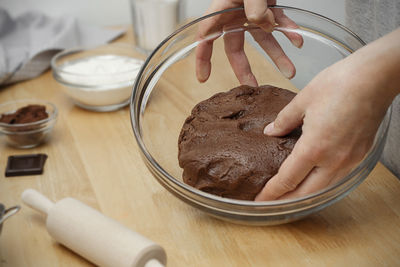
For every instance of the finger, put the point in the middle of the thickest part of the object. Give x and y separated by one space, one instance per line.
290 117
318 179
275 52
205 46
291 173
283 21
257 12
234 49
203 60
204 51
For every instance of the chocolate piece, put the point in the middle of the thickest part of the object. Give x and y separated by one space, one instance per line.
25 165
222 148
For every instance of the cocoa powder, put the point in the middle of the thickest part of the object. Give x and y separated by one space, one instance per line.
27 114
30 113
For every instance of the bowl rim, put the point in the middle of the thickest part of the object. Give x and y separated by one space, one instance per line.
30 101
248 203
58 70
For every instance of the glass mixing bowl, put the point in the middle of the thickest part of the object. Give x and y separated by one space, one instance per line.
166 90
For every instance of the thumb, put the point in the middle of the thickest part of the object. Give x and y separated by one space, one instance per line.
290 117
257 12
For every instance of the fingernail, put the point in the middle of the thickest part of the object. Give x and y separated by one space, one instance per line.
271 18
250 80
267 27
271 22
297 43
202 74
268 130
287 72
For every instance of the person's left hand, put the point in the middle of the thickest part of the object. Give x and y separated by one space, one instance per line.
256 12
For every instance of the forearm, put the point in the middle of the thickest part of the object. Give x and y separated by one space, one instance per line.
379 63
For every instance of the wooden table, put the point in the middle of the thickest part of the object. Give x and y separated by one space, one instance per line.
93 157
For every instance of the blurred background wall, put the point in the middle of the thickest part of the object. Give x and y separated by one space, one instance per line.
117 12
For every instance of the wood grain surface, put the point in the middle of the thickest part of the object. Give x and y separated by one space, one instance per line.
94 158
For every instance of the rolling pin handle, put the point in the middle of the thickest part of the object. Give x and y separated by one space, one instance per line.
37 201
153 263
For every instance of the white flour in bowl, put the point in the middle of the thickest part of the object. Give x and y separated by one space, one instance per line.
100 80
101 70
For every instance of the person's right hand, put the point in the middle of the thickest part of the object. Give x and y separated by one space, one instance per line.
256 12
340 111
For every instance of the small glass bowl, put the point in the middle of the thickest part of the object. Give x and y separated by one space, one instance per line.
32 134
161 102
102 91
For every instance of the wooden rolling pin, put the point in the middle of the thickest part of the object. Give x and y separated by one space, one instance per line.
94 236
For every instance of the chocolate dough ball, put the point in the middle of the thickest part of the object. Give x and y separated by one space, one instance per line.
222 148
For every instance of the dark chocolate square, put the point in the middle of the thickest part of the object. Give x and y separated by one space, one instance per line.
25 165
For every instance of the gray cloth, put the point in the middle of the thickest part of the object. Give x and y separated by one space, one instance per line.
29 41
371 19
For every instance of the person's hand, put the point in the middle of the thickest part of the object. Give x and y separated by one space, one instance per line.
340 110
256 12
